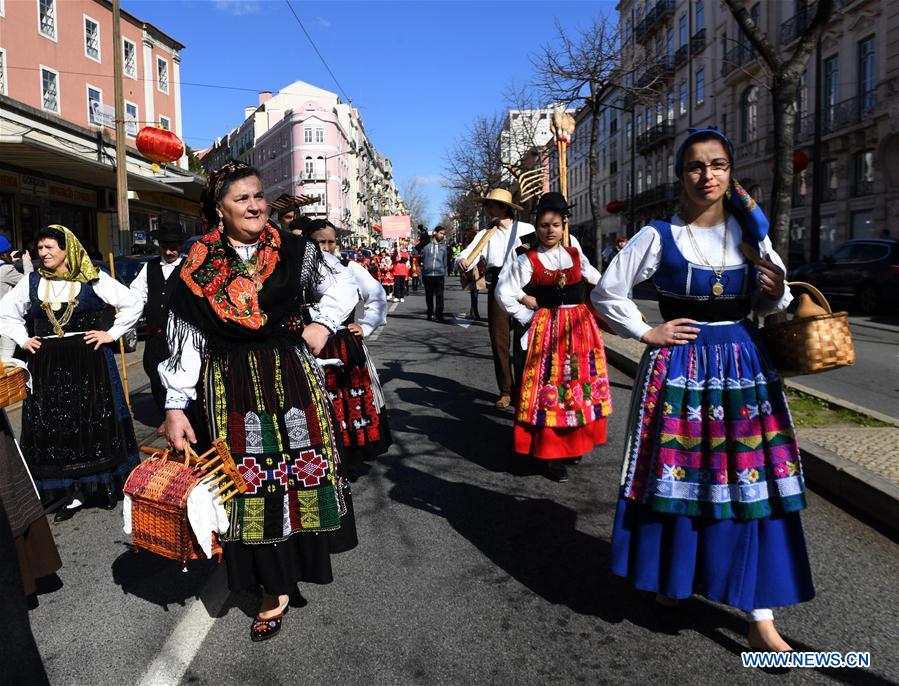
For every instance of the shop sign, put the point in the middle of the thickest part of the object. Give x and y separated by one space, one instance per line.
34 185
62 192
9 181
139 237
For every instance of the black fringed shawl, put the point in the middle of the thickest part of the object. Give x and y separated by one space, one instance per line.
285 292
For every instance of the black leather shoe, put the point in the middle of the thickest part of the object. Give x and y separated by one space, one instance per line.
557 471
66 513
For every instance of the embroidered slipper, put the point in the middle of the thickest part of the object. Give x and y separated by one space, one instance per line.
264 629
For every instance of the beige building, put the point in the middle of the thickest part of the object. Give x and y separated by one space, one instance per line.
704 73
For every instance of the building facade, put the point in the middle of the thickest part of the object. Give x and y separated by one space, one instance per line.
57 122
305 141
688 65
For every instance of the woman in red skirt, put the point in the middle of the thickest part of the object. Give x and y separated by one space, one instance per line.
564 397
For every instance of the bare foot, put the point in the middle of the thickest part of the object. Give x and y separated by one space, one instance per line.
272 605
665 601
764 637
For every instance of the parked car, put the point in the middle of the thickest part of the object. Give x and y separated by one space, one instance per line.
863 271
126 268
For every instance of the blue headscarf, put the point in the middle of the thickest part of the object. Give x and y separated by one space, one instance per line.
737 201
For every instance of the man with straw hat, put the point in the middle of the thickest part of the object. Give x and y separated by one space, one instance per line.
495 247
287 207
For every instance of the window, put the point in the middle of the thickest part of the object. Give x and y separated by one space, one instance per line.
639 180
700 86
669 37
91 39
749 114
629 130
50 89
801 103
319 135
831 89
46 18
129 62
2 71
162 75
866 84
671 106
699 24
307 135
864 172
828 234
131 119
831 180
649 176
682 98
165 123
628 29
671 167
682 30
639 124
861 225
94 100
310 166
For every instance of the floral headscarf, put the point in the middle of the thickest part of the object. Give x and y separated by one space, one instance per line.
81 269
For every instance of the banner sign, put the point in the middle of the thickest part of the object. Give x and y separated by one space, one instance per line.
396 227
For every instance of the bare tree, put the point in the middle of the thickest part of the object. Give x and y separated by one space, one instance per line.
415 201
786 73
474 163
579 68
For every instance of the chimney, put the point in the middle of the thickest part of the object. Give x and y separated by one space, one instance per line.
248 112
264 97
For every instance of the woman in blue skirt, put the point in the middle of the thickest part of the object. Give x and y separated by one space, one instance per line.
712 484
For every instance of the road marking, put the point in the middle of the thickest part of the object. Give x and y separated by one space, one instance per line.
392 307
376 334
184 642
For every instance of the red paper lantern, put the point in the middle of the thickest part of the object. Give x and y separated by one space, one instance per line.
159 145
800 161
376 228
615 206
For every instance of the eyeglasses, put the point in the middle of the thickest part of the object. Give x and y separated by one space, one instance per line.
717 167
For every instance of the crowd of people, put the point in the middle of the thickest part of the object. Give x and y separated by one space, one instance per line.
253 338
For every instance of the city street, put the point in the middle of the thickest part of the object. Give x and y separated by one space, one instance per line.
472 567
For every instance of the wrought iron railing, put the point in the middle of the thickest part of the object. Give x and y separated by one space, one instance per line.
794 27
697 42
654 135
847 113
736 57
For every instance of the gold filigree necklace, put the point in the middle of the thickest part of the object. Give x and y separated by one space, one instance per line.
717 287
51 305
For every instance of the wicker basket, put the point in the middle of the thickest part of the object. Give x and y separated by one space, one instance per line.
12 385
159 488
809 345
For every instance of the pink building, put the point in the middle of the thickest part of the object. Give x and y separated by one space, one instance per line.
57 121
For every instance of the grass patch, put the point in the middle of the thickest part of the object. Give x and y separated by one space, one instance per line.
809 411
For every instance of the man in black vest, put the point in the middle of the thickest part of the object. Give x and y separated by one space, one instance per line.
153 285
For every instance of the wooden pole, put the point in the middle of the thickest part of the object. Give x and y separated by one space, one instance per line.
121 346
121 170
563 185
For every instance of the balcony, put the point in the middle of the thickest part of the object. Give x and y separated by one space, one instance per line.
847 113
656 73
738 56
863 187
830 194
662 10
794 27
680 56
663 193
655 135
697 42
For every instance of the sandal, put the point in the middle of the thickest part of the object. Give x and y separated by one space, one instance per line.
264 629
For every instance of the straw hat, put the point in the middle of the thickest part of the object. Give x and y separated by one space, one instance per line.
502 196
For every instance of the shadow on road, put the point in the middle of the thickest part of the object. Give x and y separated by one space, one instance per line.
160 581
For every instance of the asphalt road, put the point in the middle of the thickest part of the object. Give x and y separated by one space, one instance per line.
872 382
472 568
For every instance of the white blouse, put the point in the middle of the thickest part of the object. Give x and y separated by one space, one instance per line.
337 298
513 279
500 247
15 304
642 255
373 296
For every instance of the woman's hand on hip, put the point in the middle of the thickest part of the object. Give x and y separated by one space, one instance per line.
355 329
97 338
178 429
530 302
315 336
675 332
771 278
32 345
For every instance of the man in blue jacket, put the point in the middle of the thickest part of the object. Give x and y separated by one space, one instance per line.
434 268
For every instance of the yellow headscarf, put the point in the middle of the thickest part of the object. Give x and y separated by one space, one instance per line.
81 269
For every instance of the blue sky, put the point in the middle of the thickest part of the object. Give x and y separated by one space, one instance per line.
418 71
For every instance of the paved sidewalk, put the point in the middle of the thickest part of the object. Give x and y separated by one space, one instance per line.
858 464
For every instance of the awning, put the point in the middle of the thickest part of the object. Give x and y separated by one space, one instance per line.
43 158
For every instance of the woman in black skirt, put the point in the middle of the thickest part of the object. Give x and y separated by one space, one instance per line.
243 368
77 435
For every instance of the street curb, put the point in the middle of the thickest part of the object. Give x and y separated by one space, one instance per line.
823 468
868 492
839 402
874 325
